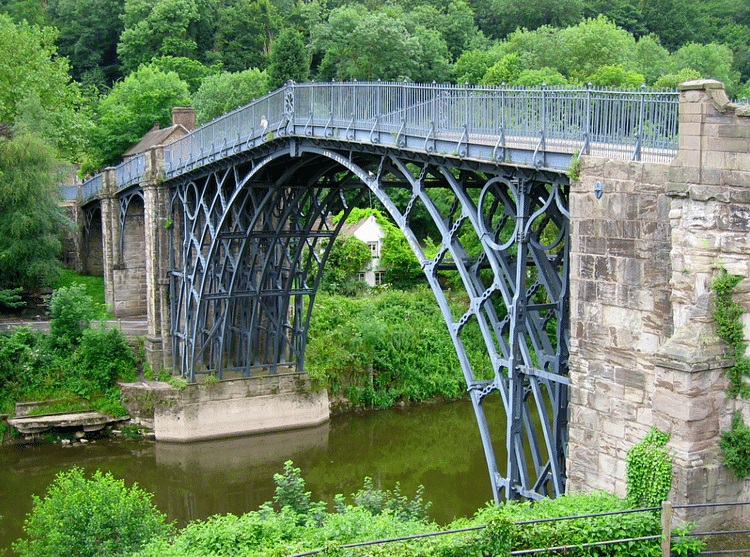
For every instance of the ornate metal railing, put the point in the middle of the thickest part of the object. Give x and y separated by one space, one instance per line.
541 126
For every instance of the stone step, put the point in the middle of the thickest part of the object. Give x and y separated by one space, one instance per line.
86 421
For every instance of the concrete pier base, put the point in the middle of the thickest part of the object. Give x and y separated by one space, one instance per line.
218 409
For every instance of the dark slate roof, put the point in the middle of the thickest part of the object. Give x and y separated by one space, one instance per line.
156 136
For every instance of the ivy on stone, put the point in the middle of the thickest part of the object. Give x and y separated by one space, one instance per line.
649 470
727 314
735 445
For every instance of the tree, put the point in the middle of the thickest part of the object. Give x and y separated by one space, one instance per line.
711 61
347 258
30 217
89 32
288 60
33 77
190 71
244 34
92 517
164 28
130 110
650 58
473 64
506 70
616 76
499 18
402 268
226 91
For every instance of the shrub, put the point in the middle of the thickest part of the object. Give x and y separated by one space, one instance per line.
93 517
735 445
104 357
71 310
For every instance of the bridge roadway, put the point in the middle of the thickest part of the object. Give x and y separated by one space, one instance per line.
233 222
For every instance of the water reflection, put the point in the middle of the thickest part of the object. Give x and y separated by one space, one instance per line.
436 445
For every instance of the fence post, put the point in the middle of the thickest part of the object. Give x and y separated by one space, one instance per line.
666 528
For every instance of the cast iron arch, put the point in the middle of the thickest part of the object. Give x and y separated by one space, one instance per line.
252 236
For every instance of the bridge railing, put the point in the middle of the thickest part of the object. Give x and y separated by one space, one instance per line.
638 125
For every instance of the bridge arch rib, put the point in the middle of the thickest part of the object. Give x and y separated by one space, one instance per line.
251 238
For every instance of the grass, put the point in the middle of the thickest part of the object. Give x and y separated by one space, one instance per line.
94 288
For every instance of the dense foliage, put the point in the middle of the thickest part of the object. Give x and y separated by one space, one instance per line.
90 518
386 346
727 314
103 45
74 364
735 446
649 470
296 524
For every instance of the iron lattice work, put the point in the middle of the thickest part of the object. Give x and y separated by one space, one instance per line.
255 237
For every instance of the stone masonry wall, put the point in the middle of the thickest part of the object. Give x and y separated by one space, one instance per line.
620 314
129 276
643 340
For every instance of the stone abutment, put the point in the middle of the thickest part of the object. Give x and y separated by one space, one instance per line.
644 347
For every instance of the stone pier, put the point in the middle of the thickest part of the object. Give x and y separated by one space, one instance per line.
644 349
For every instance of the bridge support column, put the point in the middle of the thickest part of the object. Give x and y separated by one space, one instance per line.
644 349
156 202
110 235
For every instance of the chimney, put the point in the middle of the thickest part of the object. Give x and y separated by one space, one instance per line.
185 116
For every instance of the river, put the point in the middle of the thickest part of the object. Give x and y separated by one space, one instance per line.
434 445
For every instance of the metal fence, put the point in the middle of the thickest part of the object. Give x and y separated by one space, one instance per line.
630 125
665 537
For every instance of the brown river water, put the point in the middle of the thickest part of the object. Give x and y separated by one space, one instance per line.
434 445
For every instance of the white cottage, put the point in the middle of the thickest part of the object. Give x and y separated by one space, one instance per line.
370 232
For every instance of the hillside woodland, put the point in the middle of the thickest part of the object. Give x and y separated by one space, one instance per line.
83 80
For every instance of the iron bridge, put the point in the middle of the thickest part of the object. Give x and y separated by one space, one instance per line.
251 231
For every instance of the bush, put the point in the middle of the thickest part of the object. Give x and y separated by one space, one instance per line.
93 517
104 357
71 310
735 445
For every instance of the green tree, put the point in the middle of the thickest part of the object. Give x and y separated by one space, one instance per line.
401 266
499 18
90 517
71 311
506 70
650 58
226 91
472 65
190 71
593 43
616 76
244 34
164 28
89 32
288 60
31 219
348 256
34 78
30 11
129 111
711 61
543 76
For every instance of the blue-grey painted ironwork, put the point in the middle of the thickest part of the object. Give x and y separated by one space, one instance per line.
251 235
539 126
251 230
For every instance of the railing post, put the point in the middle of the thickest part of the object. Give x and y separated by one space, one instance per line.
666 528
587 133
641 118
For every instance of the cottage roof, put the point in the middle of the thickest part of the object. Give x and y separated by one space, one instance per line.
156 136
